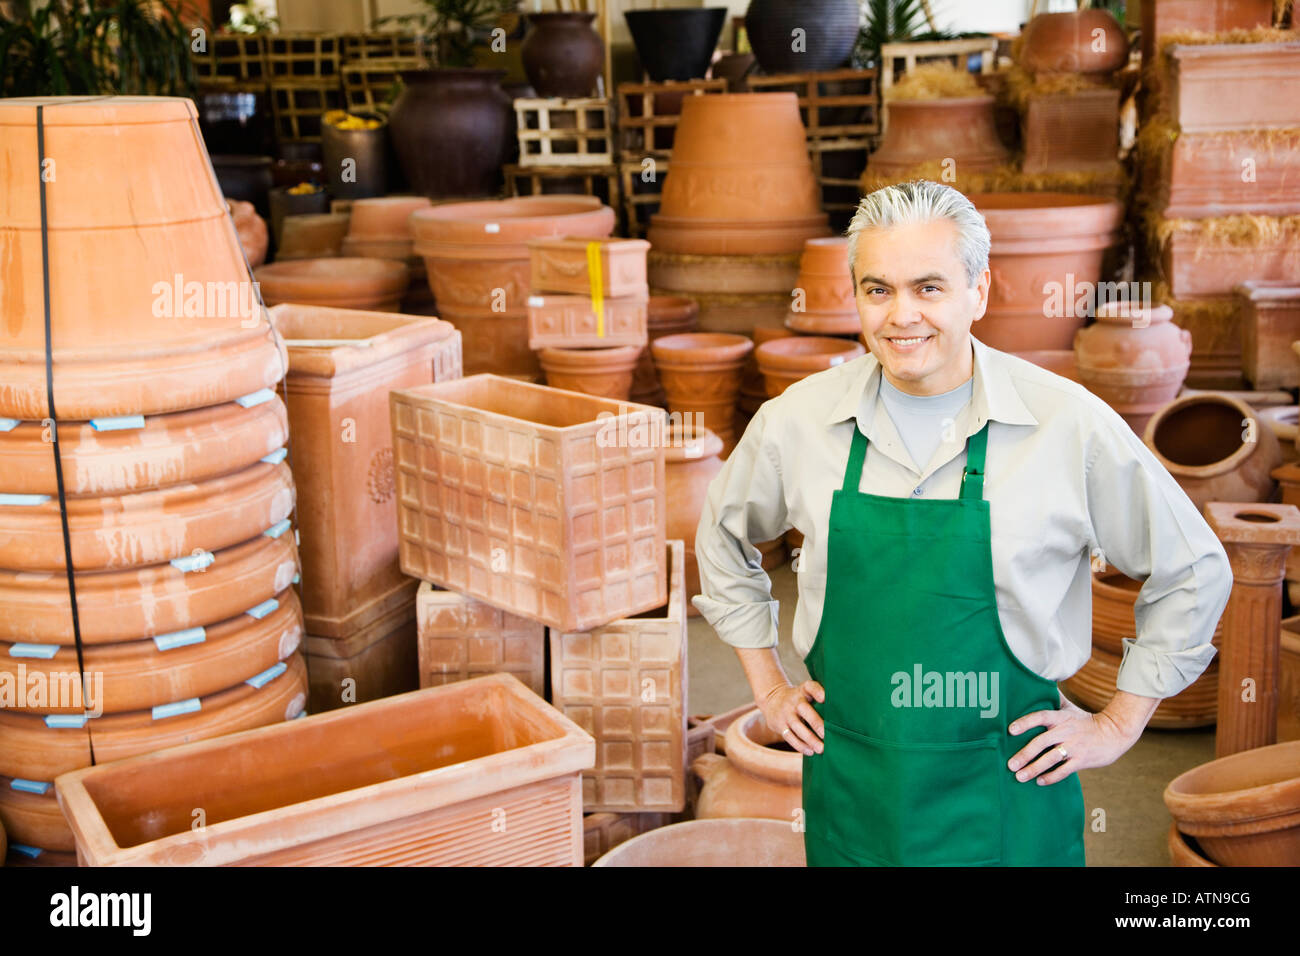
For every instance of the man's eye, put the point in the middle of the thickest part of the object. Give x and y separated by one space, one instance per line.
929 287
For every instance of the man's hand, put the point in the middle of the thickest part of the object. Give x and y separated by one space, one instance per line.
1089 740
789 712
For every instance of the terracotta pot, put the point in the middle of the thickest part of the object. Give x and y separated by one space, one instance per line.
479 268
552 561
1226 86
452 130
697 276
759 777
562 54
691 460
1270 322
665 315
142 602
460 638
377 660
1284 422
374 284
784 361
312 237
1068 43
147 527
720 722
753 388
1183 850
1201 440
920 132
384 217
741 179
604 372
251 227
32 819
461 751
828 305
675 44
1058 361
603 831
733 842
1244 809
342 364
285 204
700 372
1042 242
1134 359
830 30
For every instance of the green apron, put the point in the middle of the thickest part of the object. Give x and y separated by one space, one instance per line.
911 773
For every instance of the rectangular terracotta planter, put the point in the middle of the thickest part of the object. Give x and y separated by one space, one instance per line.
1225 86
545 503
460 638
378 661
1163 17
1195 269
1270 322
1224 174
625 684
603 831
342 363
1216 344
563 265
571 322
1072 132
483 772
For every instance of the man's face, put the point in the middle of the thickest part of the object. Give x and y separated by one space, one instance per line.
916 306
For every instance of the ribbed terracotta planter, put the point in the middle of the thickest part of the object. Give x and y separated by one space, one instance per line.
1091 42
1244 809
700 372
741 182
760 776
124 231
373 284
712 843
408 779
479 268
253 234
1134 359
828 303
691 460
1202 440
1058 361
784 361
603 372
1040 239
665 315
32 819
922 132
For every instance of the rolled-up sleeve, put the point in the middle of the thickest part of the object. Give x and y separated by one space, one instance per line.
745 504
1147 527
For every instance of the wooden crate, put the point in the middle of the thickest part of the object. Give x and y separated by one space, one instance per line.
298 106
367 82
640 198
644 130
231 56
378 45
897 59
560 132
600 181
302 56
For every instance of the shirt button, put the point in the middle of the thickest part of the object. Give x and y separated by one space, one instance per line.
918 491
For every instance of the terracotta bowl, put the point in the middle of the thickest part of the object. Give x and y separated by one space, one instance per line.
384 217
1184 851
737 841
701 351
509 222
784 361
346 283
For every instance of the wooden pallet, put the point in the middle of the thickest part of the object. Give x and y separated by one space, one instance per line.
833 104
381 46
641 130
302 56
298 106
239 57
367 82
640 198
898 59
560 132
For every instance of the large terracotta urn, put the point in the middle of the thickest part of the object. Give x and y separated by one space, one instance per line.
784 361
691 460
452 131
675 44
605 372
761 775
741 182
1216 448
829 28
665 315
922 133
1046 254
824 303
720 842
1134 358
1091 42
477 260
1243 809
562 54
701 372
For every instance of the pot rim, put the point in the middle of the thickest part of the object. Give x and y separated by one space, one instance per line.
806 353
755 759
686 443
1213 468
700 348
1233 810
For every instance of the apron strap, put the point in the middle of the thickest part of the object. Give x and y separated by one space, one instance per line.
972 476
857 454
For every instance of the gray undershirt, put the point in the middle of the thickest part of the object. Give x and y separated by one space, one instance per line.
921 419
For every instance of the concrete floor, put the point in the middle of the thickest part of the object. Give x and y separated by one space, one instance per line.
1127 813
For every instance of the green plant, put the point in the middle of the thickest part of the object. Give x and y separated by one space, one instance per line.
453 26
249 18
891 21
77 47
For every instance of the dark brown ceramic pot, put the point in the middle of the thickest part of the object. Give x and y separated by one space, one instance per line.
562 54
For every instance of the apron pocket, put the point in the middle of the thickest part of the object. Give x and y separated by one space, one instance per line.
912 804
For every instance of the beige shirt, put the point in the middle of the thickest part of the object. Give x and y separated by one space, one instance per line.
1069 486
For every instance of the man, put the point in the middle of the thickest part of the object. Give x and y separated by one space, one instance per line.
952 499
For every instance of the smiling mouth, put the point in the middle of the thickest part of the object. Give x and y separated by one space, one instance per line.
909 341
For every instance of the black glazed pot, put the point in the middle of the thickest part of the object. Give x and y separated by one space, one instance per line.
830 28
676 44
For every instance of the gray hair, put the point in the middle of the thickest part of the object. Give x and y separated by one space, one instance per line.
924 201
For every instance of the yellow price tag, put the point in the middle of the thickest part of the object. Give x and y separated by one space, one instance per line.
597 285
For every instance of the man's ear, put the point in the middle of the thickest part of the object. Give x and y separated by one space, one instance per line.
982 289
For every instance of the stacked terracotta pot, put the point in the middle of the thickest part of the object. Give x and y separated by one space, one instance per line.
824 301
380 228
587 314
738 203
477 259
701 374
172 446
343 282
665 315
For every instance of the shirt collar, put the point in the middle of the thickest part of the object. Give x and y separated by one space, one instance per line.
993 394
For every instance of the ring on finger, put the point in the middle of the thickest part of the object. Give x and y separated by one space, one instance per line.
1063 752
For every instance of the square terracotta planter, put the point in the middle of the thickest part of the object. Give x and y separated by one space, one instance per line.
603 831
545 503
571 321
1163 17
479 773
1204 175
563 265
1072 132
1196 269
625 684
378 661
342 363
460 638
1270 322
1226 86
